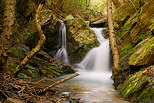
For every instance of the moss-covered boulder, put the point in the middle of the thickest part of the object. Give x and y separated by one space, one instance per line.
29 72
134 25
40 65
98 23
80 38
124 12
139 87
55 69
144 55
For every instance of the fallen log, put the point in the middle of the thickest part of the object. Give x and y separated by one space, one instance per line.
57 82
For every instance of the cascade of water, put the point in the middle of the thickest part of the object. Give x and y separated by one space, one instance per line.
97 59
62 53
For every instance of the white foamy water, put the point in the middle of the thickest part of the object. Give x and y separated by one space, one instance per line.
62 53
94 84
97 59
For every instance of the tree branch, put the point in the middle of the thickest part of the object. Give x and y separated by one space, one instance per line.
38 46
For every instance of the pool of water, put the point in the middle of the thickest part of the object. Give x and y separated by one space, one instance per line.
93 87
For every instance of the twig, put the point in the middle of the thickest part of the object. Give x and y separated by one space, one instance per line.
40 80
4 94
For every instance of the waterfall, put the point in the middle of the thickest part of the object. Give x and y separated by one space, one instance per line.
97 59
62 53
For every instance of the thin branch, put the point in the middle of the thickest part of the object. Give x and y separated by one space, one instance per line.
38 46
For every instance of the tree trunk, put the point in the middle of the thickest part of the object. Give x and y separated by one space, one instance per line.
38 46
5 39
112 38
116 3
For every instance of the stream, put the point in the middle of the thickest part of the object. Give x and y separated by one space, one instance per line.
94 84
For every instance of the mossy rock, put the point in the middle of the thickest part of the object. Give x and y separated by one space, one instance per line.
139 87
145 21
144 55
98 23
55 70
29 72
80 38
126 10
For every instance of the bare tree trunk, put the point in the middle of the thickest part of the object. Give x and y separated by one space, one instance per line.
116 3
112 38
38 46
5 39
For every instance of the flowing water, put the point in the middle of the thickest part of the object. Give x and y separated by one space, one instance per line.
94 84
62 53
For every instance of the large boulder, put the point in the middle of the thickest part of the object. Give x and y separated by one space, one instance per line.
80 38
144 55
134 26
139 87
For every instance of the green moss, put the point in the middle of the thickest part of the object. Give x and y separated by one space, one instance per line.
81 38
127 9
147 94
55 70
139 87
99 22
127 49
142 37
124 30
49 71
12 65
144 55
17 52
23 76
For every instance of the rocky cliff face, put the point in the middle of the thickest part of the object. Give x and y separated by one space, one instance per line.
134 23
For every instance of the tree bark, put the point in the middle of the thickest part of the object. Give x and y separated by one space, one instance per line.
38 46
5 39
116 3
112 38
